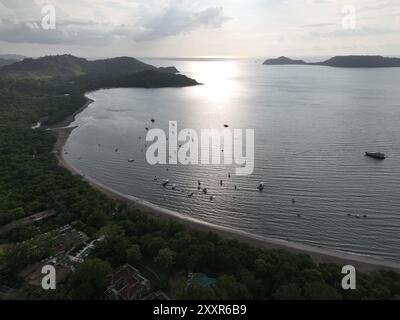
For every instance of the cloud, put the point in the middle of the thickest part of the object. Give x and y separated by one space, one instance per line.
379 6
173 21
360 32
318 25
20 22
31 32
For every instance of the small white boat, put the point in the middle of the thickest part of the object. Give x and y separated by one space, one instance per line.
131 160
173 187
164 182
261 186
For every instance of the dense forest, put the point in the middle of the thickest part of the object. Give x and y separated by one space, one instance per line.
31 181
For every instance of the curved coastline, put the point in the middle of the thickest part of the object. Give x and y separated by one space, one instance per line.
318 254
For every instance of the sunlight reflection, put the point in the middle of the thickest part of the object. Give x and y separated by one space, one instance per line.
218 78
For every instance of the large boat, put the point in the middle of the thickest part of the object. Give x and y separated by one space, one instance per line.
376 155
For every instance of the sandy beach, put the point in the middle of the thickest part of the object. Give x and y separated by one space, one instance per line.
319 254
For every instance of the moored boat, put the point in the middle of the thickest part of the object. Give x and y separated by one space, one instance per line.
376 155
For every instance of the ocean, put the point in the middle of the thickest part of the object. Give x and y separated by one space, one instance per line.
312 127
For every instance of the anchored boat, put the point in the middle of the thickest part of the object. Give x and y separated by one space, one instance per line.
376 155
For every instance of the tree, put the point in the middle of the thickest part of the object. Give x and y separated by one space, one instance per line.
114 246
90 280
199 292
320 291
165 258
2 256
228 288
310 275
290 291
152 245
134 254
194 292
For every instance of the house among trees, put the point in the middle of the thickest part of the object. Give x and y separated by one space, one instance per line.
127 284
158 295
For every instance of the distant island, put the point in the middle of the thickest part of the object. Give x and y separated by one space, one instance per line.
84 75
68 65
342 62
6 62
17 57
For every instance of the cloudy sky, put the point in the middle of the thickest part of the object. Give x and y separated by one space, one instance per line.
254 28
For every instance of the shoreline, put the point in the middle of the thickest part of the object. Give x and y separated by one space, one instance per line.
318 254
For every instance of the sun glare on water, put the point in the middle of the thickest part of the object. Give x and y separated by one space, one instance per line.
218 79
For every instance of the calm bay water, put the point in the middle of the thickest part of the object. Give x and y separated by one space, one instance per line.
312 127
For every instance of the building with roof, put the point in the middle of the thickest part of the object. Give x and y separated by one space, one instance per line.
127 284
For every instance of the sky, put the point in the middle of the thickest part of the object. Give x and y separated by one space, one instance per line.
182 28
